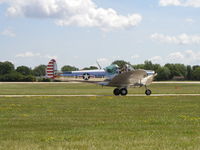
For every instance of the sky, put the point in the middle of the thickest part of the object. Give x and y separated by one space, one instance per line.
81 32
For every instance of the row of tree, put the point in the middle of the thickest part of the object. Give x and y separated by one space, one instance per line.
24 73
21 73
168 71
8 72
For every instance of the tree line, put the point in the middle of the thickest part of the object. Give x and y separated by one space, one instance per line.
169 71
9 73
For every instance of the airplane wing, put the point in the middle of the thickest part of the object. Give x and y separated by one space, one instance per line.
126 79
78 80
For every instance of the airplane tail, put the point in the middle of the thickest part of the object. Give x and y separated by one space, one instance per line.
51 70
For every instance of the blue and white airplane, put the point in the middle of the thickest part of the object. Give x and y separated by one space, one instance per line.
113 76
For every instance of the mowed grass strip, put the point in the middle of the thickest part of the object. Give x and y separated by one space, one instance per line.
140 123
81 89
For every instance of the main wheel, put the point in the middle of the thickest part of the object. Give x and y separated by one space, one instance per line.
148 92
116 92
123 92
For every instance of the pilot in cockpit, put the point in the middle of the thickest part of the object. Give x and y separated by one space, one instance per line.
115 69
126 68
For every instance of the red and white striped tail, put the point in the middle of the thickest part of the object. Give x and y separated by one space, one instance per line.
51 71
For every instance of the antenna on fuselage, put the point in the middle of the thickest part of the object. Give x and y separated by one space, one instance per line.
99 65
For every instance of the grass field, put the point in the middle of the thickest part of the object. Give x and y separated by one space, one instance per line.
79 89
107 122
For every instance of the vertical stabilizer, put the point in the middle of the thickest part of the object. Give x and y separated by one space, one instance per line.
51 71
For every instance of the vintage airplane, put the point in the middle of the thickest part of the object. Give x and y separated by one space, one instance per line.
113 76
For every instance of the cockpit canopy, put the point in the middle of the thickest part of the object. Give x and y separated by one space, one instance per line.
115 69
112 69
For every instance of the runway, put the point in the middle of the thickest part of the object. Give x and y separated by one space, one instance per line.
130 95
155 82
176 82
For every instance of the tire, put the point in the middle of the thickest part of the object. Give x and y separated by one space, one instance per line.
116 92
148 92
123 92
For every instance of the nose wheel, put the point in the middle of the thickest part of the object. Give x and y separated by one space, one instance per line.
122 92
148 92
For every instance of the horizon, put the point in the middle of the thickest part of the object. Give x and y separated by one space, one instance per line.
60 67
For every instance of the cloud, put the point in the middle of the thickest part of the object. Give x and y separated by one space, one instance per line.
9 33
156 59
28 54
50 57
83 13
185 57
175 56
180 39
31 54
136 56
183 3
169 2
190 20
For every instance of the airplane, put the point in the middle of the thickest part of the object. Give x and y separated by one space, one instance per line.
112 76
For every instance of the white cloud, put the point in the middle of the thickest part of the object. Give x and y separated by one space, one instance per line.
50 57
31 54
186 57
180 39
156 59
136 56
28 54
190 20
116 57
192 56
83 13
8 32
176 56
183 3
169 2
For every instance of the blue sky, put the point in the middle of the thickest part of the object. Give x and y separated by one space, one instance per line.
34 31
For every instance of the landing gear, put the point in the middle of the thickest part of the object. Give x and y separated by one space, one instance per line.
148 92
122 92
116 92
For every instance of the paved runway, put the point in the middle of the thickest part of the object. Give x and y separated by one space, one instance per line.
130 95
176 82
155 82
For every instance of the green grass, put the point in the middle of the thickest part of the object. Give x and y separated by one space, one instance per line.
140 123
70 89
57 123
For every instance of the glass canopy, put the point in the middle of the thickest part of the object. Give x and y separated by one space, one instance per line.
112 69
